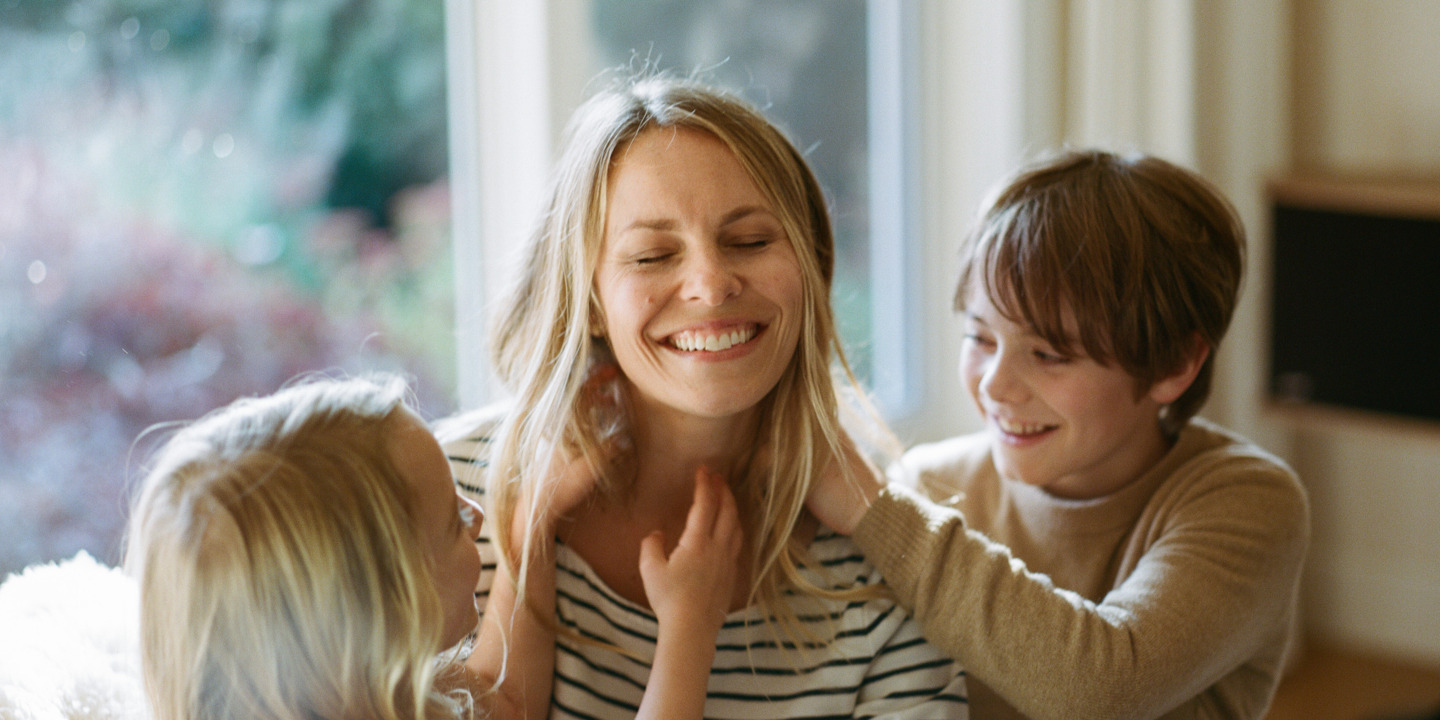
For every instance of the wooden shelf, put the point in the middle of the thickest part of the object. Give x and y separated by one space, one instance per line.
1337 683
1388 195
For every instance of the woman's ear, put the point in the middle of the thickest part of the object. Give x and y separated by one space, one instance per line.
597 321
1169 388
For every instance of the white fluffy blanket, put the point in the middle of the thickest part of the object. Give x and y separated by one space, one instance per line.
69 644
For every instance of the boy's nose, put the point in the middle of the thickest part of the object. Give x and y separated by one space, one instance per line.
1000 382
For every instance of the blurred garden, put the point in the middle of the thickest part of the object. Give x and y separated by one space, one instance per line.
202 199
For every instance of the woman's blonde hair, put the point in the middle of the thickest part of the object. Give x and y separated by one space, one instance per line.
1143 255
279 563
544 347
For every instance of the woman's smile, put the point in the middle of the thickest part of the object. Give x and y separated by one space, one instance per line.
714 339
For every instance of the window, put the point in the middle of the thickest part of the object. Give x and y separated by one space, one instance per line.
205 198
201 200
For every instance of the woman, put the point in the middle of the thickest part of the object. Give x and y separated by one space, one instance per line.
673 314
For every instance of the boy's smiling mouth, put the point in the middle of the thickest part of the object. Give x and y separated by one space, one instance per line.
713 340
1022 429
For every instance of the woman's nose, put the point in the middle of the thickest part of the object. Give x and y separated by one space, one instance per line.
710 279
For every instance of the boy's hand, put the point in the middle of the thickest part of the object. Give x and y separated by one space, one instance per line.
844 489
691 590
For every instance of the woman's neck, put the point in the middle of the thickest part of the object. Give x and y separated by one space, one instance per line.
670 446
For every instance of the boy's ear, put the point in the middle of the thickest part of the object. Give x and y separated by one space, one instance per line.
1169 389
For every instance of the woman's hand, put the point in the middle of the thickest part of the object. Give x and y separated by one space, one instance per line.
690 591
844 489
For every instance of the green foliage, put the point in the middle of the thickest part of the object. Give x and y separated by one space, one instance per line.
202 199
284 68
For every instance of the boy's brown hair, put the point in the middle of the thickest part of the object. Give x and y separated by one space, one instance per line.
1142 256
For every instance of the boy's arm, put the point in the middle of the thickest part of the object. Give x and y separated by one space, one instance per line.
690 592
1201 601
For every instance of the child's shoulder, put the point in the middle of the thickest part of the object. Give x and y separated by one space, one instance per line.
1205 445
1218 463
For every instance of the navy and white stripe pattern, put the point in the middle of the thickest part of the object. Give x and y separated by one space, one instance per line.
878 665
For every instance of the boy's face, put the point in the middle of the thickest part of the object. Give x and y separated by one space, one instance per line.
1065 424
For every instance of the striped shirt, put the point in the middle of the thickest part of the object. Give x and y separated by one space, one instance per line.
878 665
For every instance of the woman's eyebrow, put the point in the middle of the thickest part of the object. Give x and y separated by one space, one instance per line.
668 224
743 212
656 224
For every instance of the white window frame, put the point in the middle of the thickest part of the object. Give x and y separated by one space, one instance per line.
893 82
499 153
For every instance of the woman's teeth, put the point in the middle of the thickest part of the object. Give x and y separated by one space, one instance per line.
712 342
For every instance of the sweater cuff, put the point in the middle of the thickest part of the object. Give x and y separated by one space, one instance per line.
898 524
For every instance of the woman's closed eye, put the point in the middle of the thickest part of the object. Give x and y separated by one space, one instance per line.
652 257
752 242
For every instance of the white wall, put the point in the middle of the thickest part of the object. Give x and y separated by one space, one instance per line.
1365 98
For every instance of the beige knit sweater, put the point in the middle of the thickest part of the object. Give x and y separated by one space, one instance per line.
1174 597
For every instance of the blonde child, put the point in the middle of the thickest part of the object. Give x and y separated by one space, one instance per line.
303 555
1097 551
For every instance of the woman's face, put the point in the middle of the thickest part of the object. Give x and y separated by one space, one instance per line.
448 522
700 287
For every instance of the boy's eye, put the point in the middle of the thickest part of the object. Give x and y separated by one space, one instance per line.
980 340
1048 357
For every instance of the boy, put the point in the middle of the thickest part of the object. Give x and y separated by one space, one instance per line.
1096 551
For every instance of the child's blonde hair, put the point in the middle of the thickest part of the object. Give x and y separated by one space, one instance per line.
279 563
544 346
1144 256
